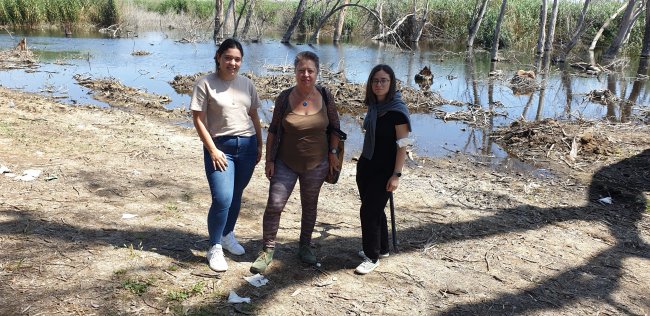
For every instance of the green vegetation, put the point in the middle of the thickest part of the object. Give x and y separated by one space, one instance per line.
35 12
447 20
184 294
136 286
203 9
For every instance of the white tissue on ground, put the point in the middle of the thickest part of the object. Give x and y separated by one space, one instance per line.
128 216
234 298
257 280
29 175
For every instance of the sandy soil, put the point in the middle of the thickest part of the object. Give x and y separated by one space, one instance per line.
474 238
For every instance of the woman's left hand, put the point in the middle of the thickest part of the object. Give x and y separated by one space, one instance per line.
392 184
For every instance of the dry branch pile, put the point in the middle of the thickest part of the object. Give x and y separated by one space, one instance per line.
185 83
602 96
18 59
113 92
575 143
474 115
349 96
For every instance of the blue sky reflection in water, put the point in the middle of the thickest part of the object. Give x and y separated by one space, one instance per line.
61 58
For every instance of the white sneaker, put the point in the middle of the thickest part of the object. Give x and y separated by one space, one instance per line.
381 255
232 245
366 267
216 260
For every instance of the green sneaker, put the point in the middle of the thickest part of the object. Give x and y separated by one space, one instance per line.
306 254
263 260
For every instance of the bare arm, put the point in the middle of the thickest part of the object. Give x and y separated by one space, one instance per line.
401 131
218 157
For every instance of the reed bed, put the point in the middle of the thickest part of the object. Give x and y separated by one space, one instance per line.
447 20
35 12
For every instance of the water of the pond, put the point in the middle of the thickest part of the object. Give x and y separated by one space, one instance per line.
454 79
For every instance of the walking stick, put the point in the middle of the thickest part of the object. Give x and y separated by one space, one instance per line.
392 222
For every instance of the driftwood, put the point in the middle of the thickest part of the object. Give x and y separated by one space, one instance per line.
475 116
18 59
589 69
523 82
575 144
602 96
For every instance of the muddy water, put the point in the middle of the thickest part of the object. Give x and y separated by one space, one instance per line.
454 78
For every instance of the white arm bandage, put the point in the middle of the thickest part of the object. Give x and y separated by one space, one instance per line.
401 143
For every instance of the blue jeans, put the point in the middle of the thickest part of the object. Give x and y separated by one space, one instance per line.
226 187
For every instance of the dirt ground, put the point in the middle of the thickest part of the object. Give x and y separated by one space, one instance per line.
474 237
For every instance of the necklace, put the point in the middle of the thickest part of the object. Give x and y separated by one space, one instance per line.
305 101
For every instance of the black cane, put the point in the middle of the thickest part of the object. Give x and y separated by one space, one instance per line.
392 221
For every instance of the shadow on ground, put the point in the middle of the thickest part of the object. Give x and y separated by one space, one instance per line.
598 278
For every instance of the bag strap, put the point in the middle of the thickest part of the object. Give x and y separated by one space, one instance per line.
342 135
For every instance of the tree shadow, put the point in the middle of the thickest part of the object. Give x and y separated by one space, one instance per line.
625 182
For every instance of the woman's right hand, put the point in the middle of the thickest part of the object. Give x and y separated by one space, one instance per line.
219 160
269 169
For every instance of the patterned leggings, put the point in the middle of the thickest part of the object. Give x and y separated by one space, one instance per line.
282 184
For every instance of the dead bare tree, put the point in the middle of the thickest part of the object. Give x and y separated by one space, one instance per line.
300 10
340 21
327 10
337 6
249 16
642 70
497 31
548 45
580 29
389 33
217 36
229 19
418 23
477 18
624 28
604 26
541 38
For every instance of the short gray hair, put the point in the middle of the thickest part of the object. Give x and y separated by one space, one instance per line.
307 55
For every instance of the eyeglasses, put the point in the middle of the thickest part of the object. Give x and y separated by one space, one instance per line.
382 82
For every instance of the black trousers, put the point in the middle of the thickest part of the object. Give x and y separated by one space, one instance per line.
371 182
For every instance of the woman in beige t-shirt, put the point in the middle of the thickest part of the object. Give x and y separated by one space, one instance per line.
224 108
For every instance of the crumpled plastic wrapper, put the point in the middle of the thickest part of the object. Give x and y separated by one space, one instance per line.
234 298
257 280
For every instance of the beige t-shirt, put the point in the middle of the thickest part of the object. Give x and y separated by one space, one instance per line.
227 104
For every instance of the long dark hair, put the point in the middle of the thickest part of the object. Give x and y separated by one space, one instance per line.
225 45
371 98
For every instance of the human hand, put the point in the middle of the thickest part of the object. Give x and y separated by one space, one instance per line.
392 184
219 161
259 154
269 169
